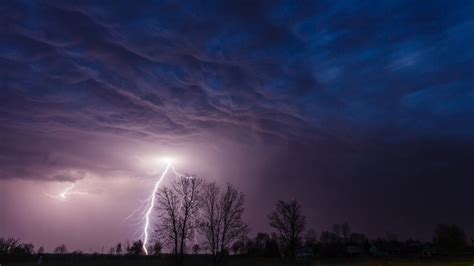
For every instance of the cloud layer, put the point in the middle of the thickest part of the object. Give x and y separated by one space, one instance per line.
363 101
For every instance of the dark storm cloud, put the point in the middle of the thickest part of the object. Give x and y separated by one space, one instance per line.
87 73
163 69
367 94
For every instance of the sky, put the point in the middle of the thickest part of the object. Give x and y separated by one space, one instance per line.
362 111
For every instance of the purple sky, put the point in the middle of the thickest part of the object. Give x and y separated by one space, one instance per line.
362 112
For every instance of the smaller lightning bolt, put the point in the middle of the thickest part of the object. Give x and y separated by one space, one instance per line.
66 193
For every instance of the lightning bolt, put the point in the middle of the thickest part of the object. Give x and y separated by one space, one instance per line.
67 192
151 206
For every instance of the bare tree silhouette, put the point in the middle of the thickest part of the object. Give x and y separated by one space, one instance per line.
221 218
7 245
61 249
136 248
156 248
118 249
345 231
290 223
196 249
450 238
178 207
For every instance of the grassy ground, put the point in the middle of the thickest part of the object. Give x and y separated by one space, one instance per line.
234 261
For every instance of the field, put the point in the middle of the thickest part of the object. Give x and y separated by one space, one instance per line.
233 261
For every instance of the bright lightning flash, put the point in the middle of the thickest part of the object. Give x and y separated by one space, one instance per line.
152 199
167 160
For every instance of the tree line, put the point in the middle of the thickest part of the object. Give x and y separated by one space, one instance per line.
199 217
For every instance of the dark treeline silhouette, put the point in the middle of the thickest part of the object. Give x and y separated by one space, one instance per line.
195 217
12 246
